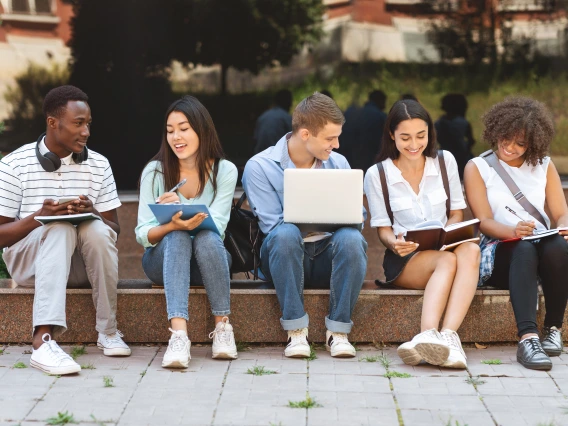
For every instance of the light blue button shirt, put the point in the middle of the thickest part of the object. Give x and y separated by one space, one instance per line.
263 181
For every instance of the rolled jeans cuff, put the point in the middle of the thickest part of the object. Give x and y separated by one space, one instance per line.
221 313
295 324
184 316
338 327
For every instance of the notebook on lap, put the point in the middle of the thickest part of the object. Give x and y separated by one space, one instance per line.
319 200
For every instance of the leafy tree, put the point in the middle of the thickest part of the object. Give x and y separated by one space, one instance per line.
253 34
122 51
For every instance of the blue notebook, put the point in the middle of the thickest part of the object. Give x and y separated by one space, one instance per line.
164 213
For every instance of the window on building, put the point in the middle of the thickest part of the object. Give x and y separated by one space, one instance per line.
20 6
32 7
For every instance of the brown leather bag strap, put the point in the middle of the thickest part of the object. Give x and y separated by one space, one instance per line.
491 158
385 188
444 173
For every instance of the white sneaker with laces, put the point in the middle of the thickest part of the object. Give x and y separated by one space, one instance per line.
298 346
113 345
224 346
338 345
177 355
429 346
51 359
457 358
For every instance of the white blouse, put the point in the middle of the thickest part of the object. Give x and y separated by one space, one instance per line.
530 180
408 208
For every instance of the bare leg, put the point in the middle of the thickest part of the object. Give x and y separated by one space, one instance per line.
464 286
179 324
433 271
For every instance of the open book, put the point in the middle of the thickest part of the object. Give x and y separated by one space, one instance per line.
431 235
537 235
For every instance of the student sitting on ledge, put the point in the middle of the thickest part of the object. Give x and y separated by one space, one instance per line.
190 150
520 131
413 174
49 257
289 261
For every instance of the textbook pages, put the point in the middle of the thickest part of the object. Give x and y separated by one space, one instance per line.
431 235
75 219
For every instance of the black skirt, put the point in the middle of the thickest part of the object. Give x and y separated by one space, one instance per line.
393 265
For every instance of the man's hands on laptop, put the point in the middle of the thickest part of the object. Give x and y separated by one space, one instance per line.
402 247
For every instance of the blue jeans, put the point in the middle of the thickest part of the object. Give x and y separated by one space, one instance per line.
178 260
338 263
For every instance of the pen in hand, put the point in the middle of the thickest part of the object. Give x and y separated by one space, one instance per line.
175 188
510 210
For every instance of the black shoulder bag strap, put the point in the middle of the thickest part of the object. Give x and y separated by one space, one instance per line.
385 188
491 158
445 180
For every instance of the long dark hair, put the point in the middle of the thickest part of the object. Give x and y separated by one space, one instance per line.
209 146
402 110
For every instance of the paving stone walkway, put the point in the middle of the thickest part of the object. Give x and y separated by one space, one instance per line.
348 391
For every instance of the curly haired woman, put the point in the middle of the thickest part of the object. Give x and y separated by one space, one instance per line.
520 131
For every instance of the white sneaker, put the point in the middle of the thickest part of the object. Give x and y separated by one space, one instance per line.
113 345
338 345
224 346
429 346
177 355
51 359
298 346
457 358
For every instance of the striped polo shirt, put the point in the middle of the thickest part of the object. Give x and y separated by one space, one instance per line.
24 184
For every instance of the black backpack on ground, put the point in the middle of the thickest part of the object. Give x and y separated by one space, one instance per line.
243 239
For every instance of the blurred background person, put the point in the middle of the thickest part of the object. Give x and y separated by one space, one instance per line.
273 123
454 131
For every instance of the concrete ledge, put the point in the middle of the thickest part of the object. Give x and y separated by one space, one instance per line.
380 315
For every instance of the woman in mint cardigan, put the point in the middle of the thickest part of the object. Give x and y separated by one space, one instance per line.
190 150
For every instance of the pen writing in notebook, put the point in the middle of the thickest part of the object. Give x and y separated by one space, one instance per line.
510 210
175 188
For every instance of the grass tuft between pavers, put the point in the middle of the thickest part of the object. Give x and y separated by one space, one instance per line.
309 402
260 370
491 361
61 419
20 365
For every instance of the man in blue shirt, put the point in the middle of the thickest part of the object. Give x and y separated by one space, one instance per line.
290 258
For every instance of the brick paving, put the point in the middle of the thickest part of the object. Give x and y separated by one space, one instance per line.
348 391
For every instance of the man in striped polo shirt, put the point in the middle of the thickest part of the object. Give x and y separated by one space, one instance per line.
32 180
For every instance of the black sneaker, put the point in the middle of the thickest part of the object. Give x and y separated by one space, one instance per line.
531 355
552 341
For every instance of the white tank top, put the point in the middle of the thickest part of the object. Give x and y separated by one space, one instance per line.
530 180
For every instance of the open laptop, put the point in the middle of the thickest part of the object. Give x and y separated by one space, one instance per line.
323 200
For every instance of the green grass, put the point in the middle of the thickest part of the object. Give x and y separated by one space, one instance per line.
77 351
313 354
108 381
61 419
259 370
492 361
3 270
368 358
475 381
384 360
88 366
455 423
396 374
143 373
309 402
1 351
20 365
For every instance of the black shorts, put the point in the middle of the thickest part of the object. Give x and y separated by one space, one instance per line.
393 265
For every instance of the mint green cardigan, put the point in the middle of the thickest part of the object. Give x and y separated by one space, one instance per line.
151 187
